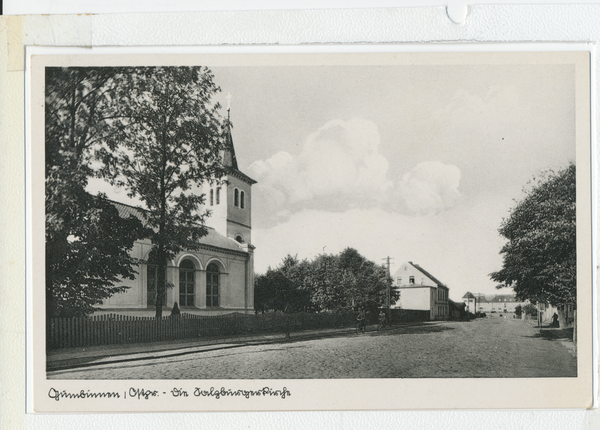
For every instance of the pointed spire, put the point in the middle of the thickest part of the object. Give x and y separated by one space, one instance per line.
229 158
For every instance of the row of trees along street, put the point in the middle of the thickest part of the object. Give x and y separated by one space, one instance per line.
540 256
155 132
327 283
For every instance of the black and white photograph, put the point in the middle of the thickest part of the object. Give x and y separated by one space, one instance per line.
340 220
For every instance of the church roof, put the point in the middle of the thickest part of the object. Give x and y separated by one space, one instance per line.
229 158
212 239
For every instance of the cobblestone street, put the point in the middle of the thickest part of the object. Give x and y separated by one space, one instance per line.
486 348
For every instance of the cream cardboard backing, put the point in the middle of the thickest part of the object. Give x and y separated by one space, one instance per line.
507 24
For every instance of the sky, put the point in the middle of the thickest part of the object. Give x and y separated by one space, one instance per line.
416 162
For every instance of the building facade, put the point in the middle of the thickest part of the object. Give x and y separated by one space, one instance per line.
419 290
499 303
470 301
219 276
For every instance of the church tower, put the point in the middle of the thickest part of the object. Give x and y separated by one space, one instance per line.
231 202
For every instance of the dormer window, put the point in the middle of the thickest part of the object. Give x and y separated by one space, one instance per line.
236 197
242 199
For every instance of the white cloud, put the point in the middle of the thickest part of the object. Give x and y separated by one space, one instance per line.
430 187
338 167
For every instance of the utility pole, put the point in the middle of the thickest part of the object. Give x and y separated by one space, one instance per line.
389 287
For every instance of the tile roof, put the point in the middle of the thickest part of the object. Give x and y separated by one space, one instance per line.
213 238
456 304
429 275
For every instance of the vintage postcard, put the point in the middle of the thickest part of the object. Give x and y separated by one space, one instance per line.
237 232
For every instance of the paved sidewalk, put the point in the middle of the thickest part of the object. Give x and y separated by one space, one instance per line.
68 358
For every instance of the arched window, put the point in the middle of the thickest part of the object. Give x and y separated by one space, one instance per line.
218 195
242 195
212 285
239 238
212 195
187 283
236 197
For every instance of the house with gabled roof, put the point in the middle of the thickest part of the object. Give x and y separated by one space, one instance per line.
470 301
505 303
484 305
219 276
498 303
420 290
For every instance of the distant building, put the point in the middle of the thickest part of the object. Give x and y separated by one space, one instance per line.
546 312
458 310
499 303
484 305
470 302
420 290
505 303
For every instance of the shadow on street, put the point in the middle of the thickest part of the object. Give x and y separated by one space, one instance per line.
554 334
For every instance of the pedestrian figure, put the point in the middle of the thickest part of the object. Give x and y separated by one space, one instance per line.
361 321
381 318
555 320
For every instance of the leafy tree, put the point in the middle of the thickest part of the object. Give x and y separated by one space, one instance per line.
87 242
530 309
328 283
168 139
539 259
366 282
518 310
77 112
281 288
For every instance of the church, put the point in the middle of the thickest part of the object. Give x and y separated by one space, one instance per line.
218 277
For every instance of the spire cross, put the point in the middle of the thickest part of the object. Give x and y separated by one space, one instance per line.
228 97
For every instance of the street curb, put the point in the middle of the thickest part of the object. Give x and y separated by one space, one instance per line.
69 364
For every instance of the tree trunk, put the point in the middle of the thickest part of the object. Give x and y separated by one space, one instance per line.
562 316
161 284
